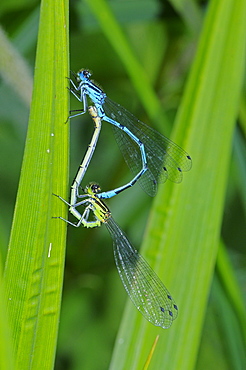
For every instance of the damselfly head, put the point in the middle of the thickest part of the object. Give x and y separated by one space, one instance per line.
84 74
92 188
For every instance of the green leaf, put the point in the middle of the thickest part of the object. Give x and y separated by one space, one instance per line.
182 238
6 348
35 262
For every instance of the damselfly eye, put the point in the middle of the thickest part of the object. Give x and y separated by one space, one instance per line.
95 188
87 73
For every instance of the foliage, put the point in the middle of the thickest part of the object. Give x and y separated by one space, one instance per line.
183 63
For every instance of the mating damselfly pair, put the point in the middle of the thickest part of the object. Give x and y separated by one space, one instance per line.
152 158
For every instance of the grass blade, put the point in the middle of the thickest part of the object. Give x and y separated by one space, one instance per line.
34 268
182 239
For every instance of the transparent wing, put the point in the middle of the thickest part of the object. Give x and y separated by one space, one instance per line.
143 286
165 159
132 156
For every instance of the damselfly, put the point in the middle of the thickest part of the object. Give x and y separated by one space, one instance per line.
143 286
151 156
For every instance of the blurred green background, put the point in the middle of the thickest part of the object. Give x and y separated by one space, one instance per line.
163 37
